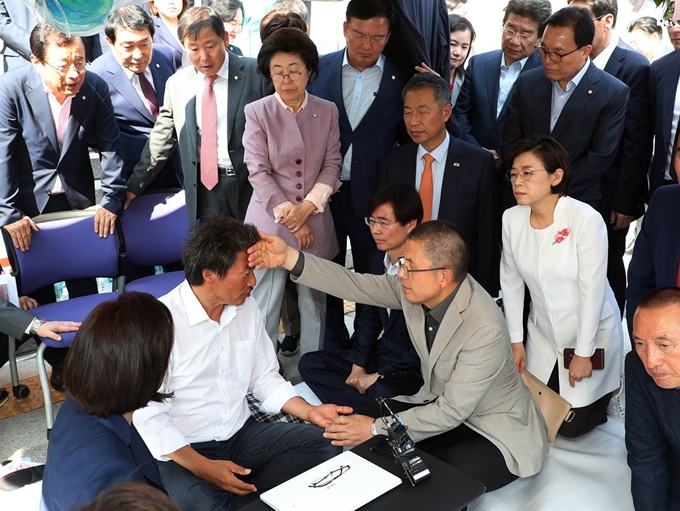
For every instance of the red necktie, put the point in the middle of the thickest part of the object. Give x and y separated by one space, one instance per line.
149 94
677 275
209 135
427 188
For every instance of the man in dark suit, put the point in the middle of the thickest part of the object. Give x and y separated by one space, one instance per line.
377 366
366 87
490 77
180 121
624 184
136 71
652 402
462 176
656 255
574 102
16 22
664 76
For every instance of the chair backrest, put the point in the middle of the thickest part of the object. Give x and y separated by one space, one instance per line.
65 247
155 227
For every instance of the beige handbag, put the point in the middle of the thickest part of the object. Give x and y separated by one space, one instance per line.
555 408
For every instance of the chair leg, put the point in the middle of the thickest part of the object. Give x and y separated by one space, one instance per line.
19 390
45 384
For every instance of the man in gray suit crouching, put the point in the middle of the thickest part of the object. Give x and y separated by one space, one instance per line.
473 410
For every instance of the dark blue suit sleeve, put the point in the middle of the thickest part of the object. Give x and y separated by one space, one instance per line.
463 109
13 320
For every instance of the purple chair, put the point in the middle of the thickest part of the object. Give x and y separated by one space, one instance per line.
154 230
65 247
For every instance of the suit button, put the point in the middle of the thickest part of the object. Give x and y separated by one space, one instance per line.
298 198
298 162
298 174
352 136
493 133
298 186
49 192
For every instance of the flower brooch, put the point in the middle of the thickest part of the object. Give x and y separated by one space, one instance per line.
562 235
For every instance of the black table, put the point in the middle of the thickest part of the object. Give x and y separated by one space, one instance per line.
447 489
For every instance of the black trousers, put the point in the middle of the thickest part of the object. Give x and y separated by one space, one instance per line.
460 447
223 198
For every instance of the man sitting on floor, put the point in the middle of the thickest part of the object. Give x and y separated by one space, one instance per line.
473 410
377 366
212 454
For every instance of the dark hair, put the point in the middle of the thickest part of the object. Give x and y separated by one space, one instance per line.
551 155
578 20
648 25
441 89
226 9
404 199
367 9
288 40
601 8
131 497
296 6
196 19
43 35
128 17
119 356
661 297
280 18
154 11
453 4
458 23
537 11
444 246
215 245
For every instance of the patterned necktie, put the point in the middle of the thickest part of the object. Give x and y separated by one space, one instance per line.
427 187
149 94
209 135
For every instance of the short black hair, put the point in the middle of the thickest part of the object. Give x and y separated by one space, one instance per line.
131 497
444 246
578 20
441 89
196 19
404 199
120 354
601 8
214 246
226 9
660 298
458 23
537 11
648 25
551 155
128 17
288 40
280 18
367 9
44 35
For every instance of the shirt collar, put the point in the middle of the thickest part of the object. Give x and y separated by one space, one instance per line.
601 60
52 97
439 311
439 153
196 313
224 70
380 63
576 79
304 103
521 62
389 266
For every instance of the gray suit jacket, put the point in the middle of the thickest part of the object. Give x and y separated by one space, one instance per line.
176 123
16 22
469 376
13 320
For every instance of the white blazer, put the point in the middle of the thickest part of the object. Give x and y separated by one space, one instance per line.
572 306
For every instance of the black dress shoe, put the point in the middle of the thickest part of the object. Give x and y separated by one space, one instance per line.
290 345
4 396
57 379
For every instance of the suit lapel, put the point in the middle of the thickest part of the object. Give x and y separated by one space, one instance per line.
586 90
237 81
37 97
123 85
160 76
453 172
669 89
615 62
532 62
388 81
335 82
75 120
492 69
542 99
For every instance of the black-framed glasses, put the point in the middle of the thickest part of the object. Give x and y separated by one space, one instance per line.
554 56
330 477
523 175
294 76
384 224
510 34
407 272
65 68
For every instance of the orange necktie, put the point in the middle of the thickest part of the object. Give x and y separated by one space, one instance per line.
427 188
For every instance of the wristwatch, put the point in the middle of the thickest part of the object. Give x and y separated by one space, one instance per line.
35 325
374 429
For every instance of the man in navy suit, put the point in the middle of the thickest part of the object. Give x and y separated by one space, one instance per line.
664 76
136 71
377 366
463 174
653 402
366 87
624 185
573 101
490 77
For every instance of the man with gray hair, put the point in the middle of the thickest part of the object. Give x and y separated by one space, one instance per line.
456 180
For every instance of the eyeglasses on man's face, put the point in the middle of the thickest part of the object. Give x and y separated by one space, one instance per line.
522 36
408 272
522 175
381 222
553 55
63 69
294 76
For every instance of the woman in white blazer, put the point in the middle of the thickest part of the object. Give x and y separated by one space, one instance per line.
557 247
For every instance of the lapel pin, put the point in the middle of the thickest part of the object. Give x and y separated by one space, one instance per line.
158 65
456 164
235 77
394 77
314 115
84 98
590 92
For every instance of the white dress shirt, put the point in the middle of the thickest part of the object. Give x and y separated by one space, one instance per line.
221 90
390 269
212 367
438 167
508 77
359 89
134 80
560 96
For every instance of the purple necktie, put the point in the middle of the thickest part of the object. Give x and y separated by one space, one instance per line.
149 94
209 135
